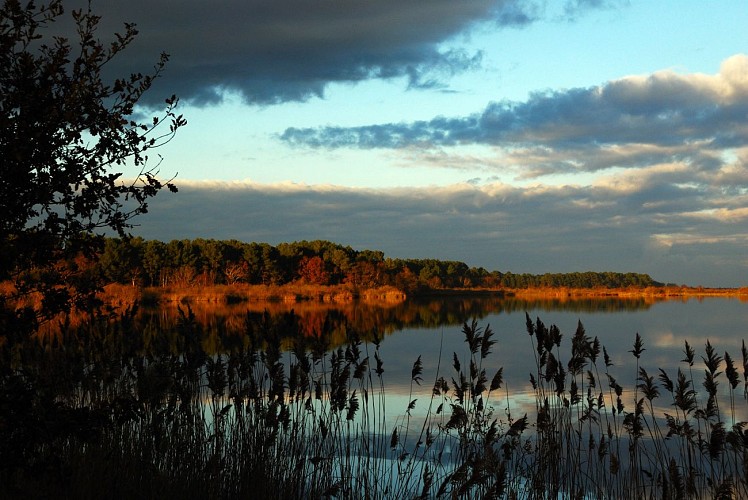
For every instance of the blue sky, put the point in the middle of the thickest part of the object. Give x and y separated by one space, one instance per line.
518 136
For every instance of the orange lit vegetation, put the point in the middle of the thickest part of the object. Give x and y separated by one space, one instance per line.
203 263
234 271
321 272
652 294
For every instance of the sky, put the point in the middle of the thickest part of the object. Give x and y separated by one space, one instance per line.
522 136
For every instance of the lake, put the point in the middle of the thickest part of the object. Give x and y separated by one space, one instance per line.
432 329
213 400
664 326
423 327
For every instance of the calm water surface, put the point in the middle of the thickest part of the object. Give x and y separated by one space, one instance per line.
432 329
663 326
156 371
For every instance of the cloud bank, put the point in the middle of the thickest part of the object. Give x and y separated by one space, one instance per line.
270 52
675 232
634 122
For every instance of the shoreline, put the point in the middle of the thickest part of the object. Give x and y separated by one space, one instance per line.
660 292
295 293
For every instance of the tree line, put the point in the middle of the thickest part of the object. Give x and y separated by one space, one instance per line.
205 262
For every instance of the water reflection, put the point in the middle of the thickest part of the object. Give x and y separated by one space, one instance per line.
431 329
332 319
137 380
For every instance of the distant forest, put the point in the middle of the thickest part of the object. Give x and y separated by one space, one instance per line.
205 262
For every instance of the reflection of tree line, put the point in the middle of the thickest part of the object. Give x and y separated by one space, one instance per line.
586 304
336 322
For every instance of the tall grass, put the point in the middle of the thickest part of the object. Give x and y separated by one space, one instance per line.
107 410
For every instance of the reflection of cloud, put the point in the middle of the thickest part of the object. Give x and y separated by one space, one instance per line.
665 339
674 342
535 229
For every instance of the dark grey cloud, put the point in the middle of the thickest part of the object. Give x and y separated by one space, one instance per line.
575 8
273 51
675 232
631 122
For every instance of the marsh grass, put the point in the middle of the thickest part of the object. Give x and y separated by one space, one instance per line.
110 410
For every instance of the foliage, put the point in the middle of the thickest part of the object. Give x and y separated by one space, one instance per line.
66 136
319 262
579 280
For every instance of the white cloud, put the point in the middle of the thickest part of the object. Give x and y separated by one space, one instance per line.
636 122
720 214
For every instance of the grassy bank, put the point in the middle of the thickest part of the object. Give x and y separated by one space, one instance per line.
123 294
646 292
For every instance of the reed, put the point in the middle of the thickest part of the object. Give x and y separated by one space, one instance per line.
111 410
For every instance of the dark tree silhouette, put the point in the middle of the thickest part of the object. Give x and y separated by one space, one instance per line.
73 152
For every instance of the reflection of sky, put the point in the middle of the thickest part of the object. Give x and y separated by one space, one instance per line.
664 327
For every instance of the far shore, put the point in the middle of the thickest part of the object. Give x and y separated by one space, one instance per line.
664 291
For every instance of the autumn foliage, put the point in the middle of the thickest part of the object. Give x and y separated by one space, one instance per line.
207 262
